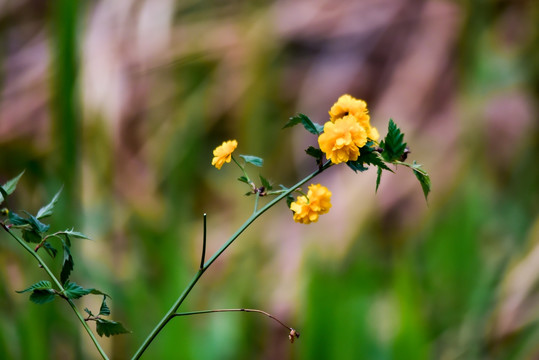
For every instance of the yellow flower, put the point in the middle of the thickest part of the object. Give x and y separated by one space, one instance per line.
223 153
307 208
347 105
342 139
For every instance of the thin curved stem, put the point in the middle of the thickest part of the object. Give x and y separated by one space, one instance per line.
170 314
60 287
200 312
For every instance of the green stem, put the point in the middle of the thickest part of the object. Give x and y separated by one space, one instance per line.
171 313
257 196
60 287
243 170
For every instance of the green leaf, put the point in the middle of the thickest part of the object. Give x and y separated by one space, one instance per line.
41 285
314 152
47 209
308 124
367 156
75 234
378 178
9 187
289 197
256 161
51 250
393 144
243 179
17 220
31 236
109 327
75 291
356 166
36 224
3 194
88 312
104 310
265 183
423 177
42 296
98 292
67 264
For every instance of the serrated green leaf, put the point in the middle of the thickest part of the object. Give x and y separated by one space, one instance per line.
67 264
423 177
40 285
75 291
243 179
393 144
104 309
31 236
378 178
36 224
42 296
265 183
367 156
17 220
9 187
255 160
75 234
88 312
98 292
109 327
308 124
356 166
51 250
314 152
48 209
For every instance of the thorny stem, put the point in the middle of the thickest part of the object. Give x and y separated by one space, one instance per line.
60 287
171 313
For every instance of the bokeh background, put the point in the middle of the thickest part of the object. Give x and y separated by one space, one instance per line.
122 103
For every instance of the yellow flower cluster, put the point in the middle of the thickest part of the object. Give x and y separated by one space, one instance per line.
307 208
223 153
348 130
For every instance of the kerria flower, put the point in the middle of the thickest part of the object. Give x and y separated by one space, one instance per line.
223 153
308 208
342 139
347 105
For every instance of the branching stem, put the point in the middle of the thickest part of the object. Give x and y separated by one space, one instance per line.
171 313
60 287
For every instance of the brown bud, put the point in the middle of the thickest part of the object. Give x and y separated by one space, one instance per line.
293 335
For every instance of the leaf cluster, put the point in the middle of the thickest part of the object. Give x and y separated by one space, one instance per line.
394 151
42 292
104 326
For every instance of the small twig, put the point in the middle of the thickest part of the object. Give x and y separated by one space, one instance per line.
292 335
203 257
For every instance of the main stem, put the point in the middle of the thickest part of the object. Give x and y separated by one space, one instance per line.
61 288
171 313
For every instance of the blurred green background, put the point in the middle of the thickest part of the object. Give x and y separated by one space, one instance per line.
122 103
